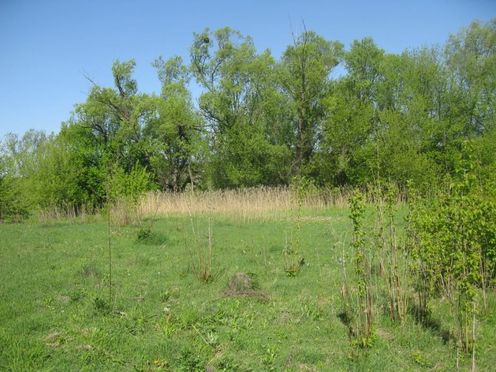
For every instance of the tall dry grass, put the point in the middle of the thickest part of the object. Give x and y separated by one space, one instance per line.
52 214
260 202
249 203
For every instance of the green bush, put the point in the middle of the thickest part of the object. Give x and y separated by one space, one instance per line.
454 247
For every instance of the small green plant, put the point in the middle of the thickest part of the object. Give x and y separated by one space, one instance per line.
101 305
293 263
293 259
269 357
421 360
201 257
144 233
190 360
90 270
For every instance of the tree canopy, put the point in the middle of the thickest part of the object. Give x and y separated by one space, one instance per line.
339 116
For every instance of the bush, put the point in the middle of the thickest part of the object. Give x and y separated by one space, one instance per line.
454 248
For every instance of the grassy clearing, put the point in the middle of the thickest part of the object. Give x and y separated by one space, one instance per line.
55 313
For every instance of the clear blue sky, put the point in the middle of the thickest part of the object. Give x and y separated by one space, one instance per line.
47 46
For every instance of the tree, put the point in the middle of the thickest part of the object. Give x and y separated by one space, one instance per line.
351 120
174 129
388 117
471 57
238 105
12 201
104 132
19 162
304 76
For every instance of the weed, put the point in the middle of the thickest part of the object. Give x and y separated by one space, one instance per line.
101 306
190 361
293 263
421 360
90 270
146 236
269 357
143 234
201 258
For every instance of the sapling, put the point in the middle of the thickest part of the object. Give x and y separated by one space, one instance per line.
292 251
363 310
390 251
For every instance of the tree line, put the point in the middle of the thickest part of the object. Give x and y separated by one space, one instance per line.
411 117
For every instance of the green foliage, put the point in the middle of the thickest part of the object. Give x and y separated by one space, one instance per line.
18 165
13 205
122 72
245 158
147 236
454 246
303 75
68 177
357 294
226 65
400 118
242 107
174 129
129 186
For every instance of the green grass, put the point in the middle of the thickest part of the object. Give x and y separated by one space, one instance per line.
55 313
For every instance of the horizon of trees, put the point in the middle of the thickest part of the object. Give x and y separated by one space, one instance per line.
411 118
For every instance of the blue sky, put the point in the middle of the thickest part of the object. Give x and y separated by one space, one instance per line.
46 47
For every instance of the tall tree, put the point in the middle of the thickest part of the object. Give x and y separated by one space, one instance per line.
238 105
173 128
471 56
304 74
348 149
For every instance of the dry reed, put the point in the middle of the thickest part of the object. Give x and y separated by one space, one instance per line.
246 204
261 202
48 215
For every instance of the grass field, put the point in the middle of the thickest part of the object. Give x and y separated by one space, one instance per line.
55 312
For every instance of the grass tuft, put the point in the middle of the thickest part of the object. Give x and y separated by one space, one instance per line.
147 236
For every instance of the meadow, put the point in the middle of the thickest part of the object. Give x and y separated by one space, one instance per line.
329 207
172 304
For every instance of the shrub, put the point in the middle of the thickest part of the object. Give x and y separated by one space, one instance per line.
454 248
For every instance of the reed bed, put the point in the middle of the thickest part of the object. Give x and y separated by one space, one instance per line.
246 204
51 214
260 202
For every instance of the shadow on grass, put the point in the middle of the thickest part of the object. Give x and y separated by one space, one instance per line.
345 318
424 318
